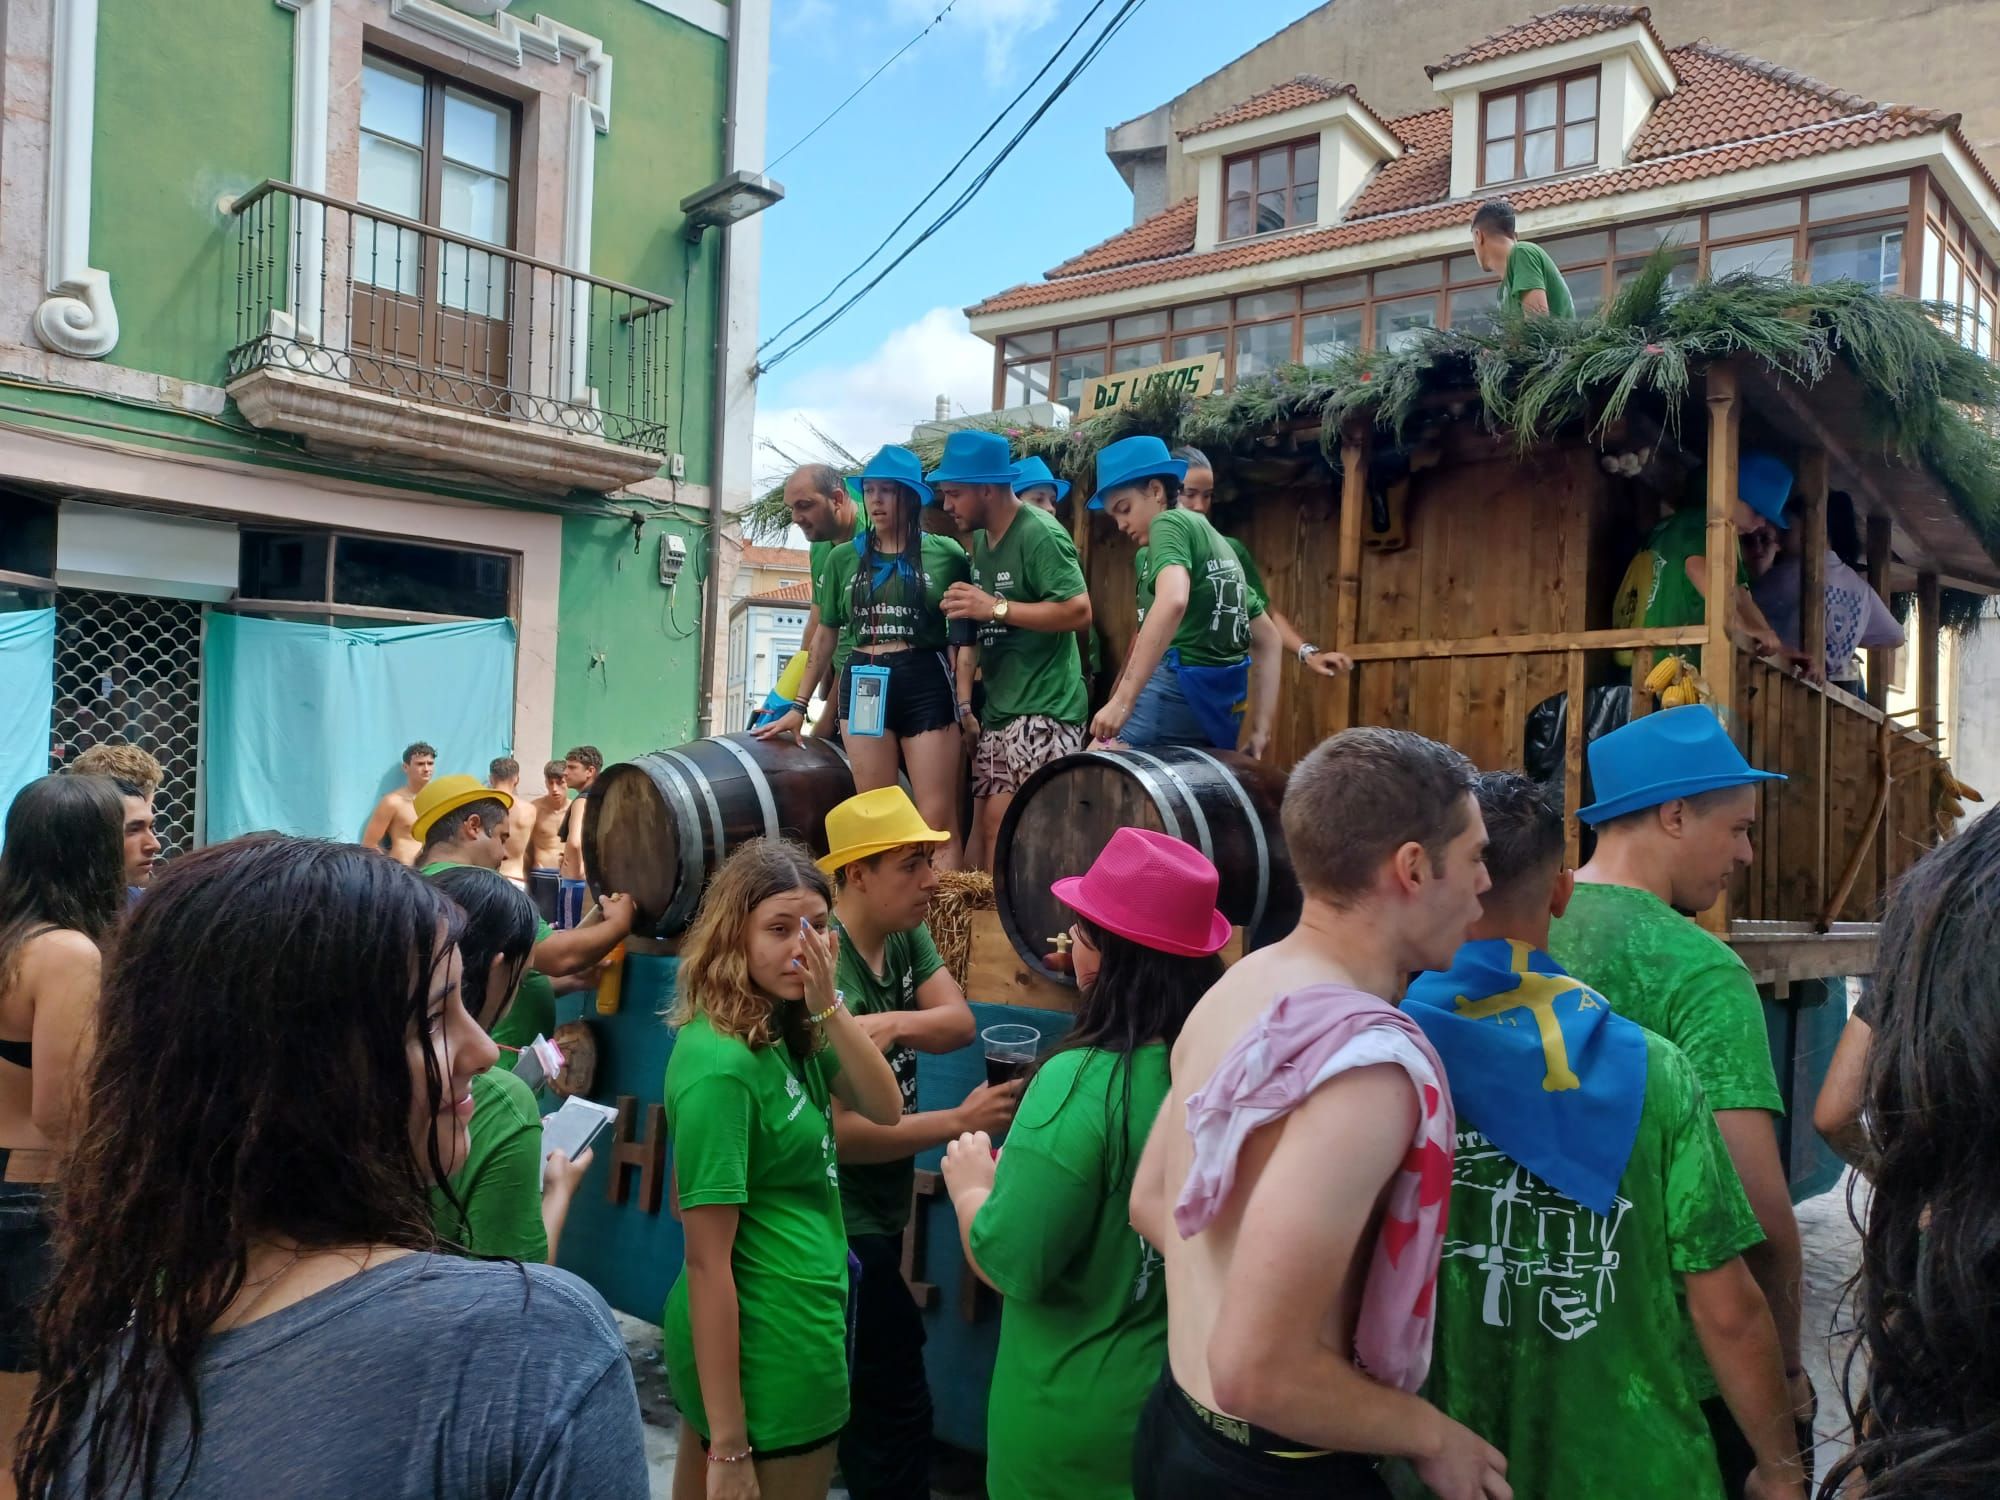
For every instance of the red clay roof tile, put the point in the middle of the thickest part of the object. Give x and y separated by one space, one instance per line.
1170 232
1731 112
791 593
1569 24
1295 94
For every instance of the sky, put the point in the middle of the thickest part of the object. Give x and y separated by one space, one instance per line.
880 369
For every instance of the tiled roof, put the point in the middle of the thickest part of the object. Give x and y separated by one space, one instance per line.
791 593
1170 232
777 557
1730 113
1569 24
1297 94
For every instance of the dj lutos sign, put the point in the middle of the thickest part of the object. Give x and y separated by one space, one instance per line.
1188 377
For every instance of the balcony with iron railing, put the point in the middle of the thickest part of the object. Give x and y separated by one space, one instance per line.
377 337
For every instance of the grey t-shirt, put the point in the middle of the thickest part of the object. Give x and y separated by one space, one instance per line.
428 1376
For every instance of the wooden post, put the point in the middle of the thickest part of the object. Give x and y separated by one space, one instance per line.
1354 450
1574 726
1718 656
1878 579
1812 640
1928 719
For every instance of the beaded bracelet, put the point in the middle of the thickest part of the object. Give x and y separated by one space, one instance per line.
730 1458
820 1018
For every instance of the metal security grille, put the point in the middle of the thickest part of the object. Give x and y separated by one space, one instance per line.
128 668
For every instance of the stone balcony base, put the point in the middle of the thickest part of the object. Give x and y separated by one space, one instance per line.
352 423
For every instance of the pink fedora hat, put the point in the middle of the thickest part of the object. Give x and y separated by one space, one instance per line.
1157 891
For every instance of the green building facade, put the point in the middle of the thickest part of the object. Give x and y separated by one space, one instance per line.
365 315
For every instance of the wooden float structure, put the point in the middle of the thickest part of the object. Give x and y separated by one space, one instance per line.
1477 582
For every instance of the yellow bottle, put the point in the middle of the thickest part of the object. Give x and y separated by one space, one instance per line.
610 982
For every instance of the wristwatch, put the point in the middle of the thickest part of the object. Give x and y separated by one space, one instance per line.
1000 611
1307 651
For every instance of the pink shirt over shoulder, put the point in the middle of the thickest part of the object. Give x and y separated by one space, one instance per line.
1304 1039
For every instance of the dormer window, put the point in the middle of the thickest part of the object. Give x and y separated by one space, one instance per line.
1271 189
1538 129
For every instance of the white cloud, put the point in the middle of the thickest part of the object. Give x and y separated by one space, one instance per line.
999 24
878 398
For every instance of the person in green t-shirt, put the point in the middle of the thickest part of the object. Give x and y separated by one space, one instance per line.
1022 608
823 508
1677 553
755 1328
1529 280
1675 805
1038 486
903 997
1581 1215
1083 1332
460 822
887 586
1187 677
1198 495
506 1200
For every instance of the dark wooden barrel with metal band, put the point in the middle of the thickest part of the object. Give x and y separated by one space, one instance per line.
1225 804
659 825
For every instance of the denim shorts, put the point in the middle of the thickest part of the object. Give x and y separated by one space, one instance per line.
24 1269
1163 716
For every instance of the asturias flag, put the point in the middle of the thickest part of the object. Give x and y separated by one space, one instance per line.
1538 1063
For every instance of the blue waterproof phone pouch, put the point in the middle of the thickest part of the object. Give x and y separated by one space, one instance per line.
867 701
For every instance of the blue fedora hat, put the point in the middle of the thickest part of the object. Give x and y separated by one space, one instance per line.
1676 752
972 457
1131 459
900 465
1034 474
1764 482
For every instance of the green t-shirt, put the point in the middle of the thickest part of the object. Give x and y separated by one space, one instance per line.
753 1127
533 1012
897 612
1251 575
500 1185
818 554
1674 978
1558 1331
875 1196
1083 1333
1674 599
1215 631
1029 671
1529 269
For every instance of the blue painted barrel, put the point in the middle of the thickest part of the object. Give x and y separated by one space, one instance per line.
632 1256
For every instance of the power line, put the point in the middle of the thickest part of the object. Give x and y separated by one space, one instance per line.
864 84
939 186
965 199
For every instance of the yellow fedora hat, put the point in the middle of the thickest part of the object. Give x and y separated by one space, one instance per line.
872 822
447 794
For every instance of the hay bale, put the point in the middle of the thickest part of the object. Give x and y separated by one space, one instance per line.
960 893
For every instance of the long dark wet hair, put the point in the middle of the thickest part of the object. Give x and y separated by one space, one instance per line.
250 1079
908 581
500 922
63 863
1927 1299
1140 995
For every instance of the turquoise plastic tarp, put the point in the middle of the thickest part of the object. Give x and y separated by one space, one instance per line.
304 725
27 698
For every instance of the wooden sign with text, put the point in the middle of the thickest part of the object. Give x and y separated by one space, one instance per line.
1190 377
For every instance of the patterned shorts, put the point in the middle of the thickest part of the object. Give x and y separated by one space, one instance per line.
1009 756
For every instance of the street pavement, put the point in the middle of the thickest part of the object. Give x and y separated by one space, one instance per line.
1832 1252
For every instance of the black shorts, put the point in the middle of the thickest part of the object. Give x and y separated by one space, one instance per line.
922 696
1183 1451
24 1269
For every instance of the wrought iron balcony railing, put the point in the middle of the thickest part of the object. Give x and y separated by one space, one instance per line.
391 306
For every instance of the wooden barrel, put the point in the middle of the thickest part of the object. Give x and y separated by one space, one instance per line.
1225 804
657 827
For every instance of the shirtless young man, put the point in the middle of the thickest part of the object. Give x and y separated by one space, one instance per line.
389 825
504 775
544 843
1276 1293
